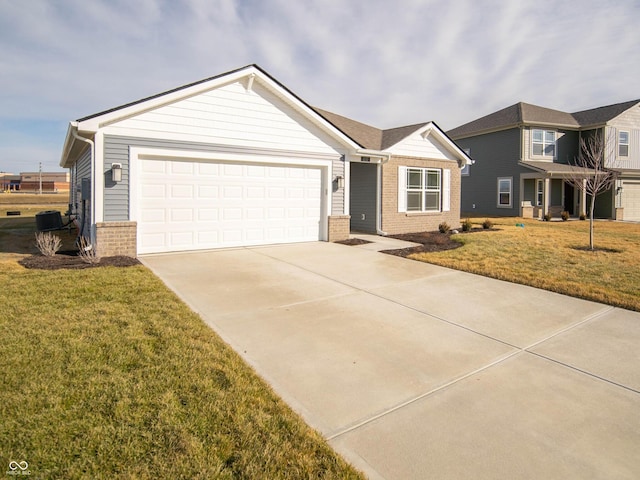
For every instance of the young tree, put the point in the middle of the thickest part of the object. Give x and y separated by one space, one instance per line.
589 173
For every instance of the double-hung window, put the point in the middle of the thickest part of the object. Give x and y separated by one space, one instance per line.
505 191
424 187
623 144
543 143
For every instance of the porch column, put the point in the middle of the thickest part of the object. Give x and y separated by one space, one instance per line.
583 197
546 196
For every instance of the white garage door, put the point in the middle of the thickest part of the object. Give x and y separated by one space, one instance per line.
186 205
631 200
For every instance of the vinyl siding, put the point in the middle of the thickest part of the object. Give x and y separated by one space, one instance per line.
81 170
632 161
417 146
496 155
116 196
230 115
566 145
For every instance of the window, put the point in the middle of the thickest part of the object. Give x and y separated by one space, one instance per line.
423 190
504 192
465 170
623 144
543 143
539 192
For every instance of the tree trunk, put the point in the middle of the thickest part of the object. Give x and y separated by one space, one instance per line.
591 210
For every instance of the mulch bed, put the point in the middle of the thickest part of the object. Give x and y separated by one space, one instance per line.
71 260
431 242
354 241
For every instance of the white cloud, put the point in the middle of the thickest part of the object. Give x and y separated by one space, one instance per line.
384 63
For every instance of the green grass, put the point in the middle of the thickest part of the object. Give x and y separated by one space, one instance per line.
107 374
551 255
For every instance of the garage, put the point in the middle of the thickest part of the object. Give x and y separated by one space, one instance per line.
185 204
631 200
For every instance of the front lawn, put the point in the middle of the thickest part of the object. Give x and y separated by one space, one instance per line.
552 256
107 374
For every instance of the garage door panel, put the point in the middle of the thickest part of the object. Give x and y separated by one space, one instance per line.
631 200
196 205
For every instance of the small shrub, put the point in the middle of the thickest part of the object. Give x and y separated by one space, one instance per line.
487 224
547 217
565 216
467 225
87 252
444 227
48 243
583 216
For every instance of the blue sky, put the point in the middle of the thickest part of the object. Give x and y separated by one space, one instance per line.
383 62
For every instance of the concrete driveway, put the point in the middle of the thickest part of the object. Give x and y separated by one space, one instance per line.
416 371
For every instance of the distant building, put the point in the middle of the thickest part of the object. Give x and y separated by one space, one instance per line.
51 181
9 182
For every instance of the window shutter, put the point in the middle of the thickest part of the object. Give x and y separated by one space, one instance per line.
446 190
402 189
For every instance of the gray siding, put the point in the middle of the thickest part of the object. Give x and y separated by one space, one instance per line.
116 150
496 155
362 202
79 206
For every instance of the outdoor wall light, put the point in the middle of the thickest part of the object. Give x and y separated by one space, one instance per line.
116 172
619 190
340 181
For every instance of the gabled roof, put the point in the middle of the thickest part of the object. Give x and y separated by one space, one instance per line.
514 116
373 138
526 114
90 124
601 115
370 137
366 135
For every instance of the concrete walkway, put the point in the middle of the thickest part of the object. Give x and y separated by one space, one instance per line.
415 371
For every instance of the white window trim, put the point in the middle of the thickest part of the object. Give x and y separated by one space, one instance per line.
539 192
621 144
510 180
544 143
444 190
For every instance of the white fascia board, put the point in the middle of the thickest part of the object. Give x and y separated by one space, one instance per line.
307 112
433 129
92 125
66 147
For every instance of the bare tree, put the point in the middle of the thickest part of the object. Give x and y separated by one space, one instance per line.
589 173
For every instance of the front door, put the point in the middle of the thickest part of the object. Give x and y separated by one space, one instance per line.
569 198
363 197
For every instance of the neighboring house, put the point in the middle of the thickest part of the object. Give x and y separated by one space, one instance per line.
521 156
238 160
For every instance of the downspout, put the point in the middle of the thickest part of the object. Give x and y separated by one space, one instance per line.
93 186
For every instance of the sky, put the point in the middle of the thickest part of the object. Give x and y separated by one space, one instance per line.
387 63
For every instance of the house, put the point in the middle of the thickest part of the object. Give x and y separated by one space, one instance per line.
522 155
238 159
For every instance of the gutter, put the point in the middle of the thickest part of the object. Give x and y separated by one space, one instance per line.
74 132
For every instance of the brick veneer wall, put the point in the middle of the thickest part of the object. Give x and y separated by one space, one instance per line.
116 238
394 222
339 227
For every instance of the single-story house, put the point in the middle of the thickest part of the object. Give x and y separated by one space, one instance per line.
238 160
